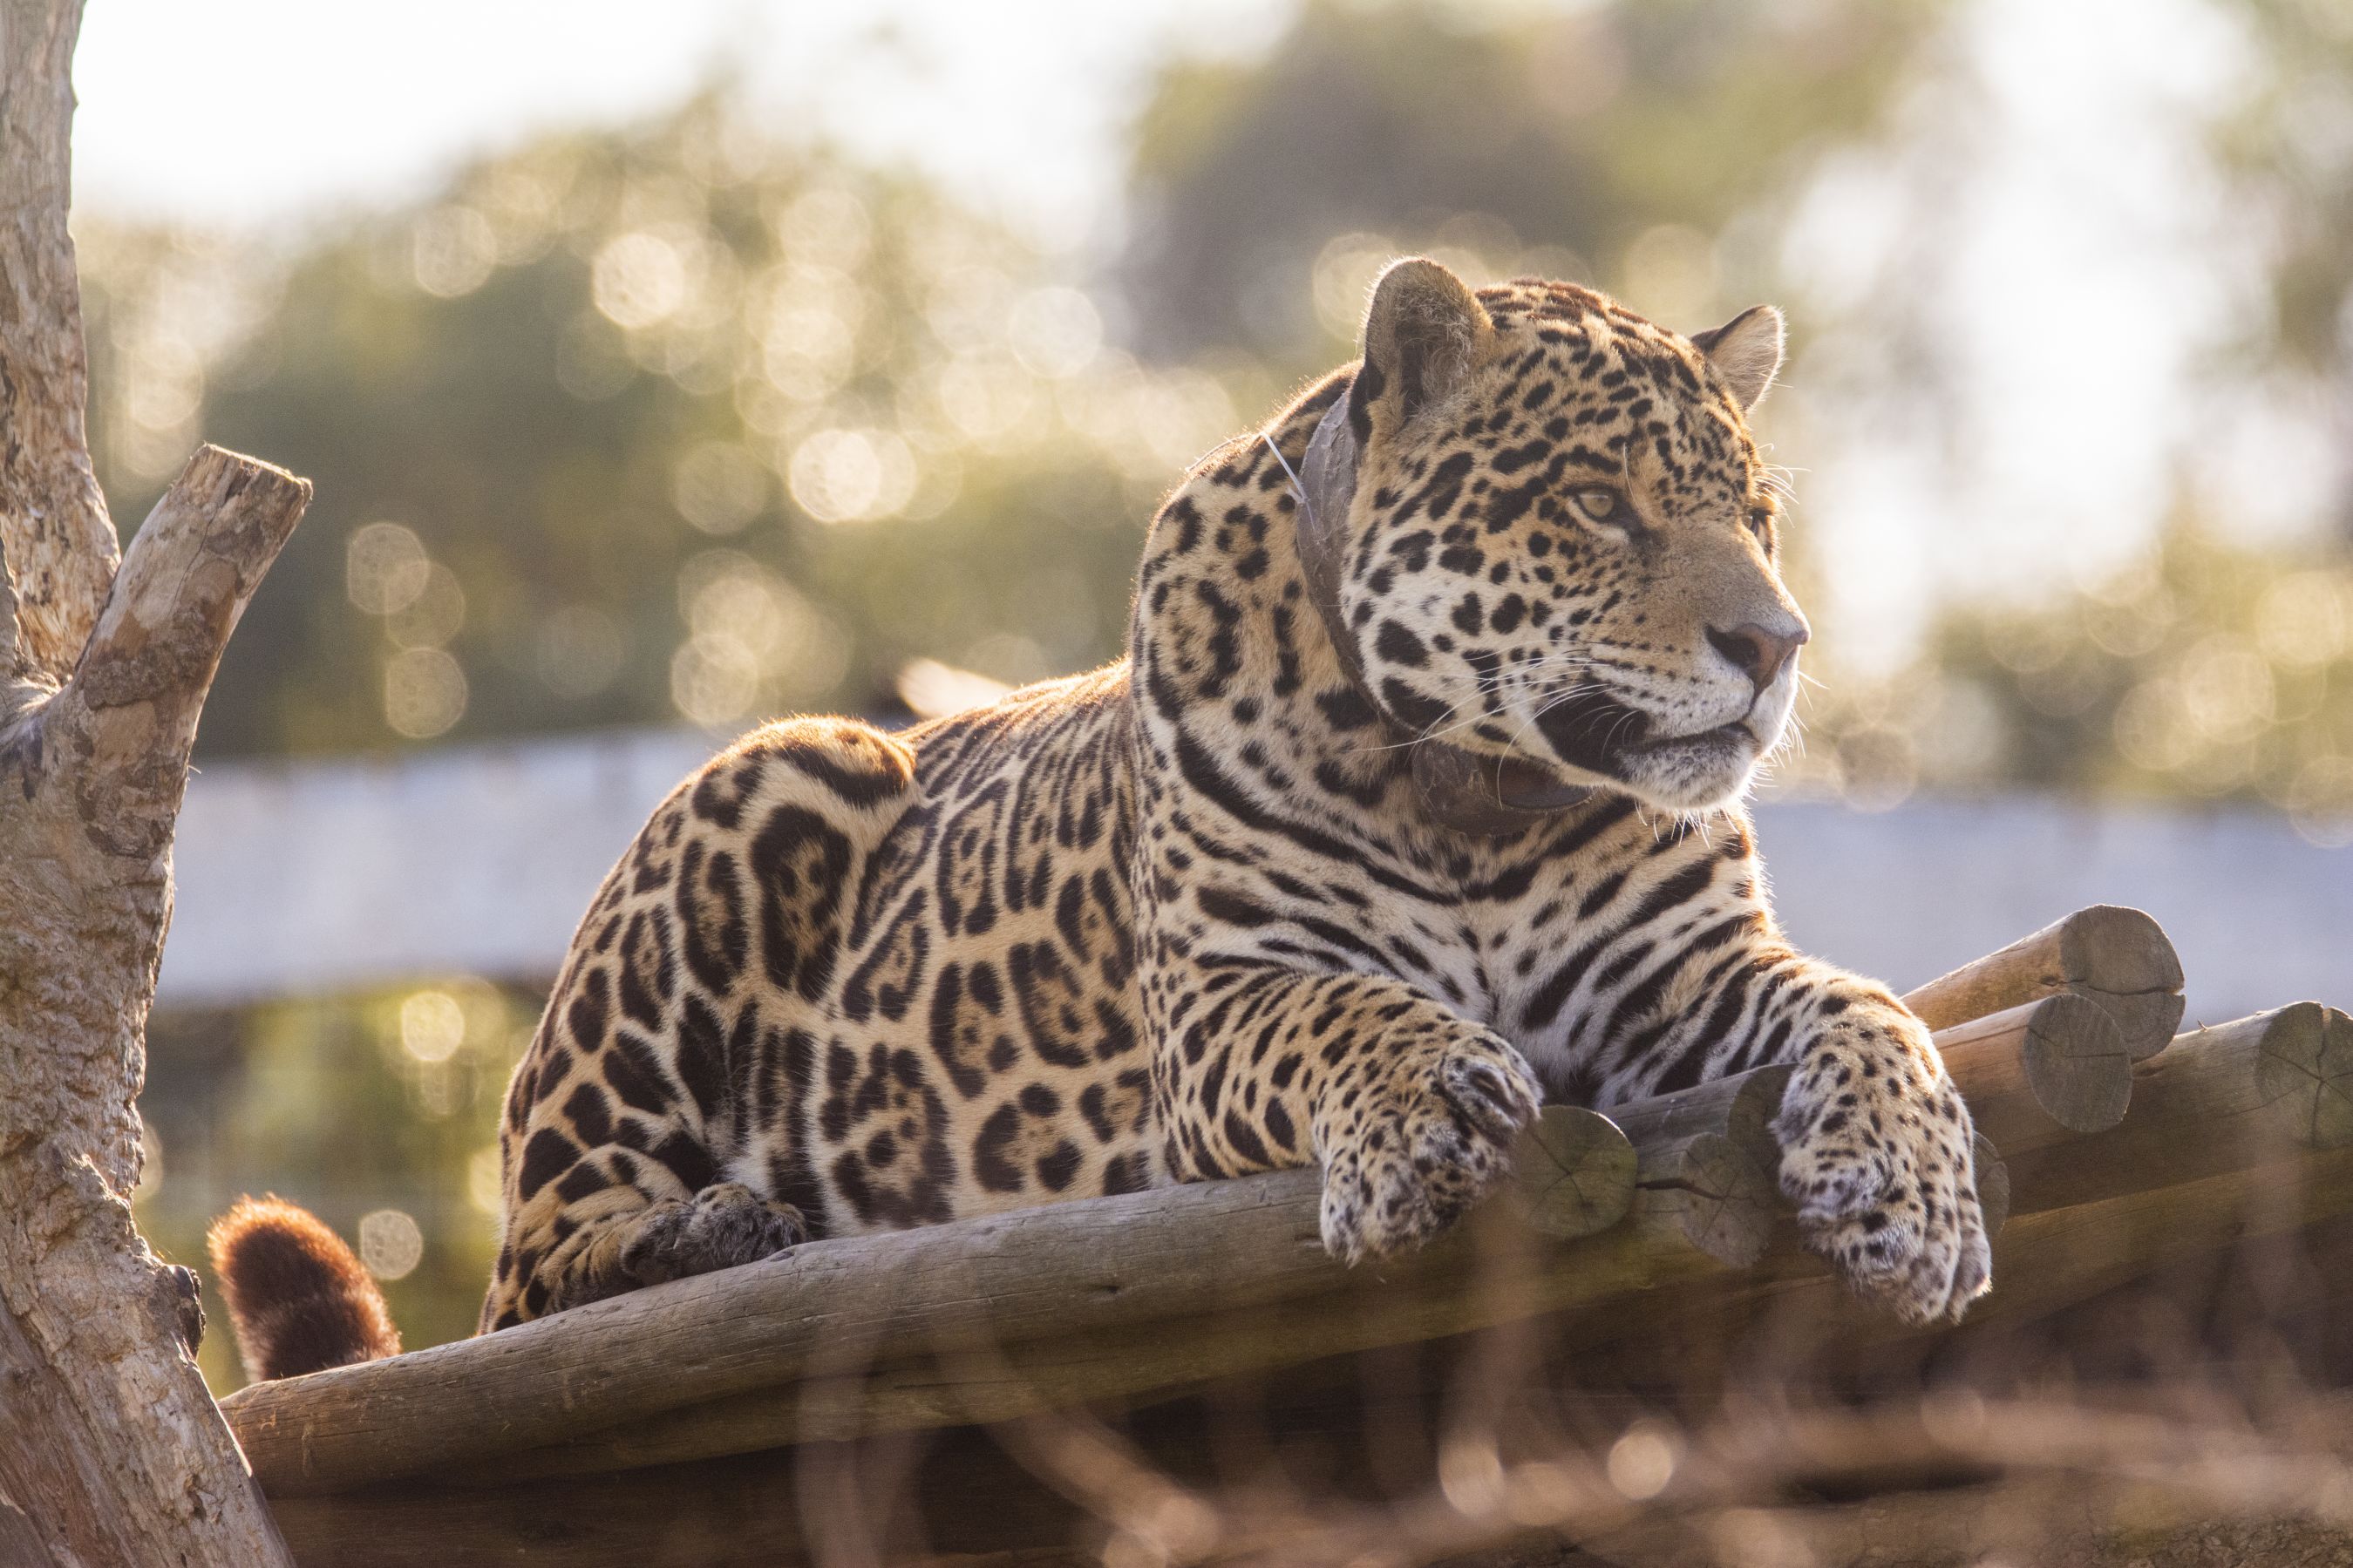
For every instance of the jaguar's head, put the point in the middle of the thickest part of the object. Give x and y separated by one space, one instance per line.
1559 545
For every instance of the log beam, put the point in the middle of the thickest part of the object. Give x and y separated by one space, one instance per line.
994 1318
1075 1276
1723 1254
2059 1064
961 1493
588 1499
2235 1097
2235 1132
2116 957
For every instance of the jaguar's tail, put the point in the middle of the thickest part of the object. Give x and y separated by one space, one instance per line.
297 1297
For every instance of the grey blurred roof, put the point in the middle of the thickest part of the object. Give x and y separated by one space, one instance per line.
321 877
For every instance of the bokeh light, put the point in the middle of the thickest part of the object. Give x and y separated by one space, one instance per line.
639 280
391 1244
1642 1462
424 692
432 1025
719 486
384 567
454 251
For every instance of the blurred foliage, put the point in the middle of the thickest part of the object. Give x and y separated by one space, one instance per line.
1644 147
2219 664
2210 670
635 424
683 419
2289 146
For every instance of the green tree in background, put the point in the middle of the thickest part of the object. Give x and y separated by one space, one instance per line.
1613 143
631 425
2288 145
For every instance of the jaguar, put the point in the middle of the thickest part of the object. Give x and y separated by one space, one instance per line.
1417 800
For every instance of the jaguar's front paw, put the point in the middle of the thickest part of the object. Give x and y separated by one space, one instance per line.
1421 1144
1876 1154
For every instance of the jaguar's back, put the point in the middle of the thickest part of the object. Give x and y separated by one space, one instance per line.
844 980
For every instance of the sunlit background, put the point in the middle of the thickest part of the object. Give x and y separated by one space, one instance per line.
671 367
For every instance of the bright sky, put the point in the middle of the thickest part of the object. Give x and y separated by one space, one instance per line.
2049 215
251 110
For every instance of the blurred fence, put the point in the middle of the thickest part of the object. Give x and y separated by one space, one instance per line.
311 878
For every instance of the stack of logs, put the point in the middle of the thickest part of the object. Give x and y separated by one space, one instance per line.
1646 1242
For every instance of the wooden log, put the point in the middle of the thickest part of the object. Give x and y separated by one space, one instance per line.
2234 1097
1062 1273
2295 1060
1572 1174
991 1319
2235 1131
753 1510
1111 1300
1709 1166
2118 958
761 1508
2058 1062
1704 1199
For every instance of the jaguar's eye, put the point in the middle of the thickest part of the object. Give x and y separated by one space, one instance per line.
1597 504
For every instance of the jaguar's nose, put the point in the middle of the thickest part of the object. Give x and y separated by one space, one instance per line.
1758 652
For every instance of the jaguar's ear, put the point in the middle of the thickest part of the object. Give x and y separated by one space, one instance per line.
1422 334
1746 352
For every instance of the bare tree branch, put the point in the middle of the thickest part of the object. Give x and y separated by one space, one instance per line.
110 1448
52 519
107 1439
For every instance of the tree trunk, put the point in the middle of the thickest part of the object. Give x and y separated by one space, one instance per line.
111 1449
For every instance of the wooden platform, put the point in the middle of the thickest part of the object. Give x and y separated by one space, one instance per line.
1078 1379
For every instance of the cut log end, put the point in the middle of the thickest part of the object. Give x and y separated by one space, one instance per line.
2110 948
2077 1064
2064 1050
1715 1193
2147 1019
2114 956
1573 1173
1709 1166
2305 1074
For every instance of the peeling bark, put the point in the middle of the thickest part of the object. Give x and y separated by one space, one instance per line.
111 1451
61 543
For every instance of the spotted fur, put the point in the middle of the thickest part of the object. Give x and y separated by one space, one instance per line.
1193 915
1188 916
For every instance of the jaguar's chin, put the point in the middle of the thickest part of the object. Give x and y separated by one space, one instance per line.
1692 773
1602 738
